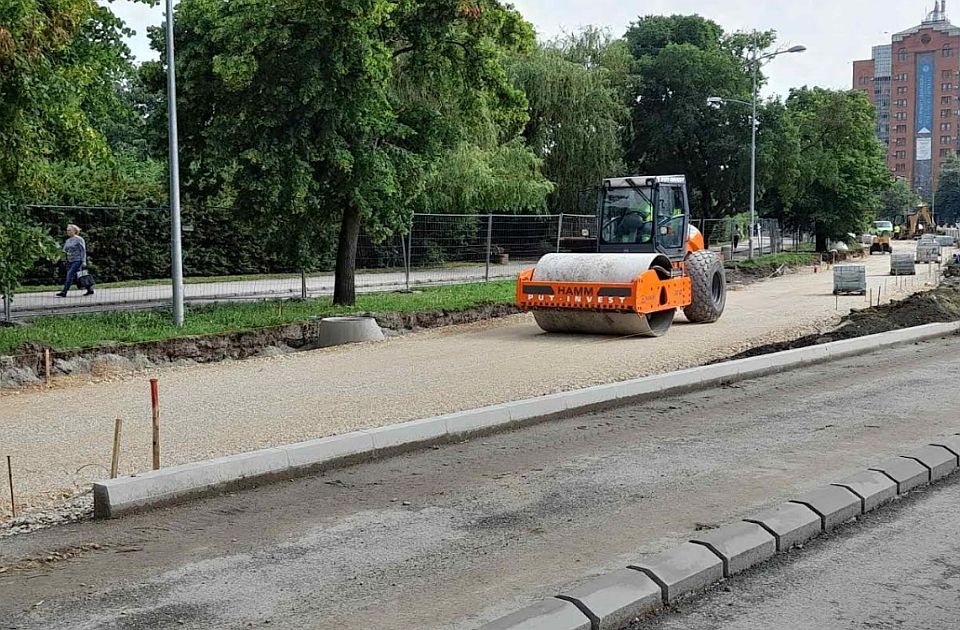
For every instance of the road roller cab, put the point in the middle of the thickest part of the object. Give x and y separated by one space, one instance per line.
649 262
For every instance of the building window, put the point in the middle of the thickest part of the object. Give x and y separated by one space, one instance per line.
946 87
946 113
901 155
945 100
947 50
902 77
946 139
946 152
900 168
902 90
901 142
902 55
864 80
946 126
901 129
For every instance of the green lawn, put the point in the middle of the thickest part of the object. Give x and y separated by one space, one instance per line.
84 331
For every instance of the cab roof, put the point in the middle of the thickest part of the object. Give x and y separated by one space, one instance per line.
644 180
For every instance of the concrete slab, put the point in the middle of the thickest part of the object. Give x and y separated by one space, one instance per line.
549 614
537 407
740 545
908 474
940 460
614 600
408 433
477 419
682 570
952 444
791 524
873 488
315 452
834 505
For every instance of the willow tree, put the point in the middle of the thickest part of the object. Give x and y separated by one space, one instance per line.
576 92
317 116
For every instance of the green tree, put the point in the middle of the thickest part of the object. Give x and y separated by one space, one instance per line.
833 168
310 113
899 200
576 88
948 194
682 61
21 246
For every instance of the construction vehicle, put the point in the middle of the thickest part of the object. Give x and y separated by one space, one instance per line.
649 262
917 224
881 236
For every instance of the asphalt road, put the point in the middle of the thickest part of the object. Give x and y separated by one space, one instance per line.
455 536
896 568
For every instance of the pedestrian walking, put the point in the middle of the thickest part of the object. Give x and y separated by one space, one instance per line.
736 239
76 250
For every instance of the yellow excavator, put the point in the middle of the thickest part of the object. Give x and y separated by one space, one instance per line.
917 224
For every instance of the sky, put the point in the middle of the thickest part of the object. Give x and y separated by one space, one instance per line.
835 33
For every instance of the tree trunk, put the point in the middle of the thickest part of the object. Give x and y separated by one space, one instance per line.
344 288
822 241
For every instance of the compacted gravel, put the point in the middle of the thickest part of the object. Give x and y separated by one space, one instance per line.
61 438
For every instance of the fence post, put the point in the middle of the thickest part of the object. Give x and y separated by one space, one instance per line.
410 250
6 307
559 231
406 260
303 284
486 275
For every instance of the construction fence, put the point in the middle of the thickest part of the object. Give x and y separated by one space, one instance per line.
226 261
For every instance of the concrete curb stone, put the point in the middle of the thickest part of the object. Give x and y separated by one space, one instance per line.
941 461
908 473
307 454
952 444
614 600
873 488
834 505
549 614
791 524
740 545
682 570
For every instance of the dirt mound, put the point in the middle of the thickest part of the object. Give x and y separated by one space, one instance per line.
937 306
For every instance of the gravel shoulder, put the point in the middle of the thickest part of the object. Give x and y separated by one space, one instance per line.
61 438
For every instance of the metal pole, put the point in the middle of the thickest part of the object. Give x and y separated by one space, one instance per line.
753 147
7 308
176 247
559 232
410 251
406 260
303 284
486 275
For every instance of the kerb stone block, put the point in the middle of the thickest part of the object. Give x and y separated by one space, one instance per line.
550 614
834 505
940 460
792 524
873 488
952 444
614 600
740 546
682 570
908 474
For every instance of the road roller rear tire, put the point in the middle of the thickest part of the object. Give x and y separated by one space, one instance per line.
709 287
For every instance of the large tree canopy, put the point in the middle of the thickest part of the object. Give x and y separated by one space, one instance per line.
682 61
321 117
832 171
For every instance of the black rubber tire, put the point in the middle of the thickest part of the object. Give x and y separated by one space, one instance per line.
709 287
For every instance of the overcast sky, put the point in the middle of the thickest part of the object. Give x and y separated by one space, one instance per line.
835 32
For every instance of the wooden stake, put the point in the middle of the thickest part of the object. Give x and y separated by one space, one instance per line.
155 403
115 461
46 366
13 501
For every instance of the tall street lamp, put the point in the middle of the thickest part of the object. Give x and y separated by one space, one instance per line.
755 62
176 249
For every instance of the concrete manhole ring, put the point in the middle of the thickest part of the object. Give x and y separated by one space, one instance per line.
337 331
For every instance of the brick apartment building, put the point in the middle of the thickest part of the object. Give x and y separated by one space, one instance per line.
913 82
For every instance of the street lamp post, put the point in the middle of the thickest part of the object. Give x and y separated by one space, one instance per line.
176 247
716 101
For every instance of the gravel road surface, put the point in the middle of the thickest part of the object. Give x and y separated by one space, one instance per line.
897 568
61 439
455 536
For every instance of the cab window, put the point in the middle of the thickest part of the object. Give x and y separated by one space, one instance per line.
670 217
627 216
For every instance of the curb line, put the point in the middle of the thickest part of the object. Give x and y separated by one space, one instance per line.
117 497
678 573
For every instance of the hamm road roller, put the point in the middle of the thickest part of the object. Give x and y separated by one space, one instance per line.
650 261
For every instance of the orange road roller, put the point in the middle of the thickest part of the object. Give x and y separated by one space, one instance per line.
650 261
